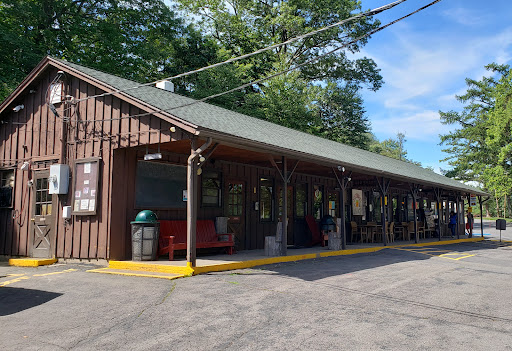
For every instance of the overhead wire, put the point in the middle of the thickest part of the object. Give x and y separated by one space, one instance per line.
271 47
273 75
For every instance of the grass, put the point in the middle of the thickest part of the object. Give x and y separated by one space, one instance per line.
495 218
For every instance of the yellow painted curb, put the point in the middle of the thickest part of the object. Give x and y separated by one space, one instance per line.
135 274
188 270
31 262
253 263
150 267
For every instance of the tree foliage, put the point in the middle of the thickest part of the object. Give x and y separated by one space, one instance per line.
480 145
136 39
321 98
392 147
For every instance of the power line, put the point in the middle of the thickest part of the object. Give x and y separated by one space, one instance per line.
304 36
273 75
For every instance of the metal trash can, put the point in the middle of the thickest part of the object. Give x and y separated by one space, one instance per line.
145 231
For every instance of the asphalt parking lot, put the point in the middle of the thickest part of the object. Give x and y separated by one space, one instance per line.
453 297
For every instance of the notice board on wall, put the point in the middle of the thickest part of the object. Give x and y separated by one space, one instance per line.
160 185
85 186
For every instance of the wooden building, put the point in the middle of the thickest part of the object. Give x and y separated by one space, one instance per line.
58 116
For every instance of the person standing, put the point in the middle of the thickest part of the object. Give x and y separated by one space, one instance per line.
453 222
470 221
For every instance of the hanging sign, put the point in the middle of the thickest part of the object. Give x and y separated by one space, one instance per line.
357 202
472 200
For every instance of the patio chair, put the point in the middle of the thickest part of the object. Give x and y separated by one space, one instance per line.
400 231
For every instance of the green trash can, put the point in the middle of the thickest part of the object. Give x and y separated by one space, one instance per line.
145 231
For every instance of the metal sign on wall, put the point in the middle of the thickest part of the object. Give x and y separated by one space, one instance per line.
85 187
357 202
472 200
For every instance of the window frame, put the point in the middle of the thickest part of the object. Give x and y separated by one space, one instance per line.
261 182
219 189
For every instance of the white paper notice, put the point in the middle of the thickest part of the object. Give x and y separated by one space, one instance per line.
91 205
87 168
86 182
77 206
84 204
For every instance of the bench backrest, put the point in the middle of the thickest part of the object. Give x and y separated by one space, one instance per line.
205 230
178 229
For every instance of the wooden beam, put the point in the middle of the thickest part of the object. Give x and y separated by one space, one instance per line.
343 183
192 199
414 192
383 187
284 236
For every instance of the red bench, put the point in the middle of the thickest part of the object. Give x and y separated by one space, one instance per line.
173 236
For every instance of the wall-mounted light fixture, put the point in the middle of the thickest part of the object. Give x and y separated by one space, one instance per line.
18 108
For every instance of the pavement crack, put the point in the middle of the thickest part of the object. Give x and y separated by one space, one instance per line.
168 294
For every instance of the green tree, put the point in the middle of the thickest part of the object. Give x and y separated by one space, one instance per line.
320 98
392 147
136 39
480 144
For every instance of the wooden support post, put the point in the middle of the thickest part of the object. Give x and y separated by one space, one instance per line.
192 200
191 208
343 183
342 220
482 213
284 236
457 208
414 192
437 192
384 187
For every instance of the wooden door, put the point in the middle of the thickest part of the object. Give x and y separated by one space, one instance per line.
235 209
43 220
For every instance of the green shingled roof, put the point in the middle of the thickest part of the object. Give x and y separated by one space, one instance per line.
214 118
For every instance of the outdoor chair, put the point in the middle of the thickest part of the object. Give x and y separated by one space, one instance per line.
400 231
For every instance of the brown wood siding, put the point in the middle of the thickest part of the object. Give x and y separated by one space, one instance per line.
95 130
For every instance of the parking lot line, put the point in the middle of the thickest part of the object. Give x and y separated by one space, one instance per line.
429 251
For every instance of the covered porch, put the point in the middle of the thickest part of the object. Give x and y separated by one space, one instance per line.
374 207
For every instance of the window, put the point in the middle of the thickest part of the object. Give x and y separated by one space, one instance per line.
334 203
266 199
211 189
318 208
6 186
235 199
301 200
43 199
160 185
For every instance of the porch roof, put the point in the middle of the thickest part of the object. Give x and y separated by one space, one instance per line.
223 124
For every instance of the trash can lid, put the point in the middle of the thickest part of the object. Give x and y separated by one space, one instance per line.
146 216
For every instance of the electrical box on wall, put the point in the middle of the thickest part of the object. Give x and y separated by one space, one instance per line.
58 182
66 212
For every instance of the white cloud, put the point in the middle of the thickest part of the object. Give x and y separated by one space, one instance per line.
422 75
466 17
423 125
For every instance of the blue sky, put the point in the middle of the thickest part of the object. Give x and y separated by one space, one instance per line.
424 61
